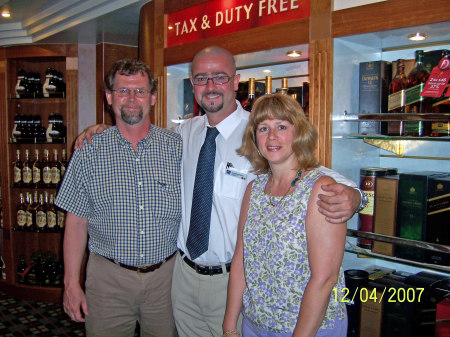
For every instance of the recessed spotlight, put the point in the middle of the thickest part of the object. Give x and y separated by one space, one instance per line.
266 71
417 36
6 13
294 53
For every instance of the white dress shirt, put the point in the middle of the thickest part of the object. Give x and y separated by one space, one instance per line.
231 177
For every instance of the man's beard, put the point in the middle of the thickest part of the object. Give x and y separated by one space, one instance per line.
209 107
129 118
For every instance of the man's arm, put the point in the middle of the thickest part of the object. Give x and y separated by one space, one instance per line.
88 133
75 239
343 203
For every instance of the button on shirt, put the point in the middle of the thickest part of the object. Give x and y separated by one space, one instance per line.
132 199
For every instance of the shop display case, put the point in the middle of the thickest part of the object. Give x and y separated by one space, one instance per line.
30 112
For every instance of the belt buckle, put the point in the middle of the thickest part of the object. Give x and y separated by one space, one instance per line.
210 269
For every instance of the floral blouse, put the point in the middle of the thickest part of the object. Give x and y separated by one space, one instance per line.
276 259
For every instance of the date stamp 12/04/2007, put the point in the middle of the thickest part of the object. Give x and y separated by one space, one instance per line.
393 295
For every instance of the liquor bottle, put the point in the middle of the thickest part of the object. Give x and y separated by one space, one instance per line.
60 217
45 87
27 170
37 170
414 102
59 270
55 280
21 270
55 169
37 85
31 277
3 264
17 170
28 212
268 89
41 215
284 87
396 102
21 84
20 129
15 135
46 170
39 132
21 214
63 163
441 105
248 105
32 217
52 222
49 131
27 129
58 131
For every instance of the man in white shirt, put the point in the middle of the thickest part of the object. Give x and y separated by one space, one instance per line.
199 285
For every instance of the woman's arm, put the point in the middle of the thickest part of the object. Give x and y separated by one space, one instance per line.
326 243
236 282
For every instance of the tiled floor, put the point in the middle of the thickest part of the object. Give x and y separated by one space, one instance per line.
27 318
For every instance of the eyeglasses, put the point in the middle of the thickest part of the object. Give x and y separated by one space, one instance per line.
217 80
125 92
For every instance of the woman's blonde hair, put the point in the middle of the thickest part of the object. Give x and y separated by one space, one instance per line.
283 107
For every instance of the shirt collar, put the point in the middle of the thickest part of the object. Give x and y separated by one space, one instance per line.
229 124
145 141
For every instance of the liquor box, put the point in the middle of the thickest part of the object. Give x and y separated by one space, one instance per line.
376 272
372 312
443 318
385 214
412 210
374 79
438 228
405 316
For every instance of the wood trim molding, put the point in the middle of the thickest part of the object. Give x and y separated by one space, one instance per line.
390 14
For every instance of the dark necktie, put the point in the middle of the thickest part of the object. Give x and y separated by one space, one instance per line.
198 237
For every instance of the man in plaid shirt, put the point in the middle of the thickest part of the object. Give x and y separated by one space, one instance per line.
123 192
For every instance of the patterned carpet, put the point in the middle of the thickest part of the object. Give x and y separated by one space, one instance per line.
28 318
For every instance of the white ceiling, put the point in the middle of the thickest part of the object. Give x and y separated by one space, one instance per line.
70 21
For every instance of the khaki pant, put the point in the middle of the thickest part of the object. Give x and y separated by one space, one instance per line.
118 297
198 301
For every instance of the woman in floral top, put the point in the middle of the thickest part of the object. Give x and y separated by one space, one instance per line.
288 257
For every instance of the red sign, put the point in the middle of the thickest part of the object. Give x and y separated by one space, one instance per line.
438 80
220 17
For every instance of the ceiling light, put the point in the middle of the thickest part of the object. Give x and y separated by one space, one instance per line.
266 71
294 53
417 36
6 13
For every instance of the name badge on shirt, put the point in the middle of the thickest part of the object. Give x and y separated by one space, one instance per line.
235 173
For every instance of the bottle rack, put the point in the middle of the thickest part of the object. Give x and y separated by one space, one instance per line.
64 58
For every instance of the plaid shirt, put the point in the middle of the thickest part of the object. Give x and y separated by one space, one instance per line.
132 200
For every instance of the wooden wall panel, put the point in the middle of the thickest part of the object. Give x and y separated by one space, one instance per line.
389 14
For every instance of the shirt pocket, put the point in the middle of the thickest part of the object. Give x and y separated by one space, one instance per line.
230 184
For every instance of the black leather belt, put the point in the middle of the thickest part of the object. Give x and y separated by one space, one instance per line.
145 269
204 269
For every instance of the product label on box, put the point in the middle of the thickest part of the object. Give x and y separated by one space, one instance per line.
438 79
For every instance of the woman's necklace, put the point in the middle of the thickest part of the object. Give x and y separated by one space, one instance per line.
297 178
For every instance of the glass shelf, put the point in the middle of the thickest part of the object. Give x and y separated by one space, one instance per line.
56 95
398 241
438 117
383 137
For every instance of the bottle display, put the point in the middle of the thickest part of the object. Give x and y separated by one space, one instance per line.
21 270
27 170
55 169
46 170
21 214
63 163
37 170
17 170
22 83
32 214
396 103
52 222
41 215
248 104
414 102
268 87
42 270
